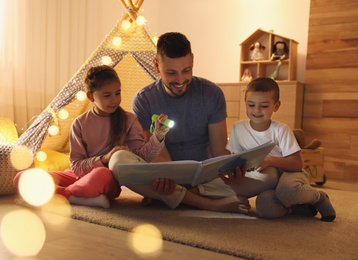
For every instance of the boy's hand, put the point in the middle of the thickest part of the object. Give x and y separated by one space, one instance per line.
235 176
161 130
163 186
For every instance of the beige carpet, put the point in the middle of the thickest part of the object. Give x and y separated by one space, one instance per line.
291 237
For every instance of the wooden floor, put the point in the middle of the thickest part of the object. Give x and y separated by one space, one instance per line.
82 240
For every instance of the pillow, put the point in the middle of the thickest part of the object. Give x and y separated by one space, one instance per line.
55 161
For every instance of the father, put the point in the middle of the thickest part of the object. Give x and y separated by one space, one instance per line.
198 108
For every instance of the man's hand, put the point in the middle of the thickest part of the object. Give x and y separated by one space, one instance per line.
163 186
235 176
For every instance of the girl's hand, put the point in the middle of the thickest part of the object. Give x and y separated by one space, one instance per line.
233 177
105 158
161 130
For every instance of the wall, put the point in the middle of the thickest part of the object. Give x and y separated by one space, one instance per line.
44 42
331 91
216 29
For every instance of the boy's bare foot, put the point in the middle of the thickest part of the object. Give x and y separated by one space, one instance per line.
237 204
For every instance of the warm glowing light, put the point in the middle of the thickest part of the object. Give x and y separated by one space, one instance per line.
53 130
57 203
140 20
155 40
126 25
23 233
41 156
21 157
117 41
63 114
81 95
36 187
106 60
146 240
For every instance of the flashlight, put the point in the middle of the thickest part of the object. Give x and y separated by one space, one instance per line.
167 122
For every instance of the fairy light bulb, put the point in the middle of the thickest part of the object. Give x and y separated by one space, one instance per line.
117 41
41 156
53 130
81 95
63 114
126 25
106 60
140 20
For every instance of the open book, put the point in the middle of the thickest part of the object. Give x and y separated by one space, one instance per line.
190 172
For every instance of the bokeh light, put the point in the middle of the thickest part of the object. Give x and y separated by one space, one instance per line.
41 156
63 114
117 41
53 130
23 233
21 157
146 240
106 60
36 187
81 95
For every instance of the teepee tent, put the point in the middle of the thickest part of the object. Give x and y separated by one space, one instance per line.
129 50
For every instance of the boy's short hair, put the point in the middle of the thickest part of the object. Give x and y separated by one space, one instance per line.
173 45
264 84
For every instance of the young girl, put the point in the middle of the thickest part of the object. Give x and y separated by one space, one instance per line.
96 135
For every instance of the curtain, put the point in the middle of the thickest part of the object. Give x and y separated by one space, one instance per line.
42 45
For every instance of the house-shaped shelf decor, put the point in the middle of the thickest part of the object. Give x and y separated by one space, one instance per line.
269 62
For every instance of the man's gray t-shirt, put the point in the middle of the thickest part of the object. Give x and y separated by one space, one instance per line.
203 104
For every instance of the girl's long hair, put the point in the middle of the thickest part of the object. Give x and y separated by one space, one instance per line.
94 80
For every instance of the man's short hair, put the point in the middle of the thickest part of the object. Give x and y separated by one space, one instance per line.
173 45
264 84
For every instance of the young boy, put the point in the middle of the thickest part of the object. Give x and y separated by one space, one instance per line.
293 193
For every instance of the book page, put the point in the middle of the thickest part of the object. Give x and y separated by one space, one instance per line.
181 172
211 168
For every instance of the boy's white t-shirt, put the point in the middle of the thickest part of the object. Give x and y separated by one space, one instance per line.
244 137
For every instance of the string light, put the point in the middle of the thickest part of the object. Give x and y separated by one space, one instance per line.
140 20
117 41
53 130
106 60
41 156
63 114
126 25
81 95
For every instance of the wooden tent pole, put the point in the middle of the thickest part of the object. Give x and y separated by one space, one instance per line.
133 8
129 9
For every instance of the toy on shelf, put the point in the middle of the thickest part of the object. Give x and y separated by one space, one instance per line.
256 51
247 75
274 75
279 51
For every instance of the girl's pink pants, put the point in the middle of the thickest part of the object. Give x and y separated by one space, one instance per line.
98 181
